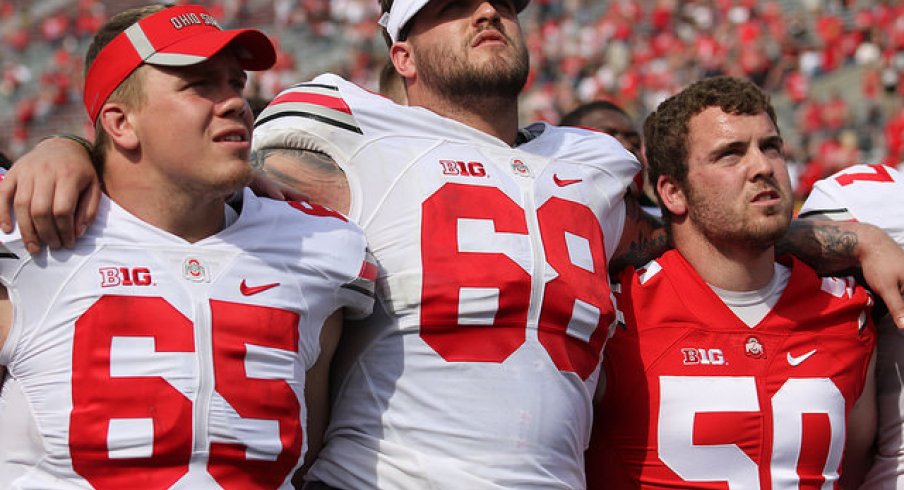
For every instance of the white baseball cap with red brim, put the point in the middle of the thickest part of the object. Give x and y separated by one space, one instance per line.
403 11
181 35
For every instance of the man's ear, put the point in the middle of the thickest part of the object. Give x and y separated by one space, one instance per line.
115 119
403 59
672 195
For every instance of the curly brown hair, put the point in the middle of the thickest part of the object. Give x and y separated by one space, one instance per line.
666 129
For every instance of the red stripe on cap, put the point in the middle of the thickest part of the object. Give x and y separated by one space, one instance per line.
334 103
368 271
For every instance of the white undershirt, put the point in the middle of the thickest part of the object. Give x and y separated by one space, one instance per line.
752 306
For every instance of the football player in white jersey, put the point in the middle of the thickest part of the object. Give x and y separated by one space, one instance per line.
183 342
479 366
874 194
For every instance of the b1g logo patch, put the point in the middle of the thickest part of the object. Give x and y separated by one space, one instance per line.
124 276
707 357
463 169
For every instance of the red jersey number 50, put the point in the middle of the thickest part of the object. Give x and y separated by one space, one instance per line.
795 462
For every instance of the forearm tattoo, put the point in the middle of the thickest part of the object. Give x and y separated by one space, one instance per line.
650 242
312 158
312 175
821 244
258 157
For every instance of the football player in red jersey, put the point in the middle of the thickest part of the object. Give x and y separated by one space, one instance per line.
732 366
172 347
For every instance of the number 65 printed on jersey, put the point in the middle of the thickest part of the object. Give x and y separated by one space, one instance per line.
131 428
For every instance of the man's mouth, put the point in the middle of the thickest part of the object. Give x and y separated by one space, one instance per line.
232 136
767 196
489 36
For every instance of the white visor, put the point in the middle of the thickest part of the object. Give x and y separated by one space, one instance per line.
403 11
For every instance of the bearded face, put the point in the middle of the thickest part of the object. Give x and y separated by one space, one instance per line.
724 217
737 188
465 68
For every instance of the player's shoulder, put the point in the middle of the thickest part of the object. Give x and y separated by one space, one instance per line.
824 297
865 193
640 290
866 173
575 140
660 293
656 270
843 308
326 99
299 232
329 114
866 182
296 216
316 228
580 145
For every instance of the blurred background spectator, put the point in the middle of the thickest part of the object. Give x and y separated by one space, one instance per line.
834 67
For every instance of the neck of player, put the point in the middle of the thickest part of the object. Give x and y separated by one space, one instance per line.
728 265
177 208
493 115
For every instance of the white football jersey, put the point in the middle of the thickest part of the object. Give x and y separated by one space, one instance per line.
875 194
139 360
479 368
866 193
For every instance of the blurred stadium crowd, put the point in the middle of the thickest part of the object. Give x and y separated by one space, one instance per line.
835 67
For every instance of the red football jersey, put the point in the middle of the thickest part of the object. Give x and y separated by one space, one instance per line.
697 399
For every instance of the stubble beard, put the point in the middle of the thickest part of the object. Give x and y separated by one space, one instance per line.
237 181
720 227
457 78
224 182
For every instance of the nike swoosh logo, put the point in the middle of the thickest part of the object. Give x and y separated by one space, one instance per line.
796 360
252 290
563 182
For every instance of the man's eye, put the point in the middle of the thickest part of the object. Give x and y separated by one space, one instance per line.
773 149
448 6
504 6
